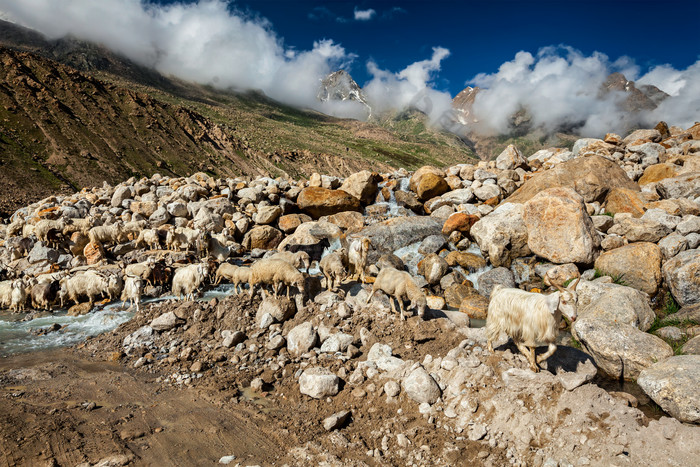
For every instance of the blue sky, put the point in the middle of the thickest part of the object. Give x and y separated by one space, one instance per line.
482 35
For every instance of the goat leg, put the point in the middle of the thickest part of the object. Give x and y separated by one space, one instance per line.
529 353
550 350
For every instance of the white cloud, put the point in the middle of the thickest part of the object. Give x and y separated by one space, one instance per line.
364 15
560 86
410 87
204 42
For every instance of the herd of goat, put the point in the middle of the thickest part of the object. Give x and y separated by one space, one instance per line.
530 319
60 287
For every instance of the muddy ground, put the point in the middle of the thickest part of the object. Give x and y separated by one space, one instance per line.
187 400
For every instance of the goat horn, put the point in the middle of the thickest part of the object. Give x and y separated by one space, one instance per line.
559 287
573 285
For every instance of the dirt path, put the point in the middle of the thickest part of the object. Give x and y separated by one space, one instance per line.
46 420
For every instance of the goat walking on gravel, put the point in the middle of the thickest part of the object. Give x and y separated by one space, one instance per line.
530 319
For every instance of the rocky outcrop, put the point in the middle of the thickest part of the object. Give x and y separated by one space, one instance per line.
620 350
591 177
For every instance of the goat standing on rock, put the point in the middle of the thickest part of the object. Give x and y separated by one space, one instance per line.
529 318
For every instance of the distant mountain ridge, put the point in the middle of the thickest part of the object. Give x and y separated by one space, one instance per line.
339 86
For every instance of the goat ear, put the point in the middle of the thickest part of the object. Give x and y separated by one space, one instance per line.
553 302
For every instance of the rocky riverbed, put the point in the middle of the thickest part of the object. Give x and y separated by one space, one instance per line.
332 378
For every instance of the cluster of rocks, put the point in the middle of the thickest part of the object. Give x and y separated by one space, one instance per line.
621 213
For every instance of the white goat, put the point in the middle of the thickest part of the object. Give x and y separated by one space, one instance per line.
149 238
5 294
401 286
133 229
187 279
115 284
143 269
90 284
333 268
357 258
299 260
107 234
181 239
275 272
79 225
18 296
132 291
41 229
236 275
530 319
15 228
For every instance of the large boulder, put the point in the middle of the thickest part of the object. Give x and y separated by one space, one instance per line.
510 159
637 264
459 222
475 306
682 274
559 228
592 177
263 236
686 185
657 172
362 185
469 261
392 234
502 234
639 230
432 267
317 202
428 182
614 303
349 221
619 349
121 193
268 214
497 276
289 223
458 196
625 200
301 339
674 385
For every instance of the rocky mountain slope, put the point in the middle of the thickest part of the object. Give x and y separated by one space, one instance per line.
98 117
339 86
335 375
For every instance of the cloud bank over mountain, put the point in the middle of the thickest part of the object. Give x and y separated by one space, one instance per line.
559 86
209 42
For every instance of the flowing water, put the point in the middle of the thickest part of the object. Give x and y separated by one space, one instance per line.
20 336
474 276
394 209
